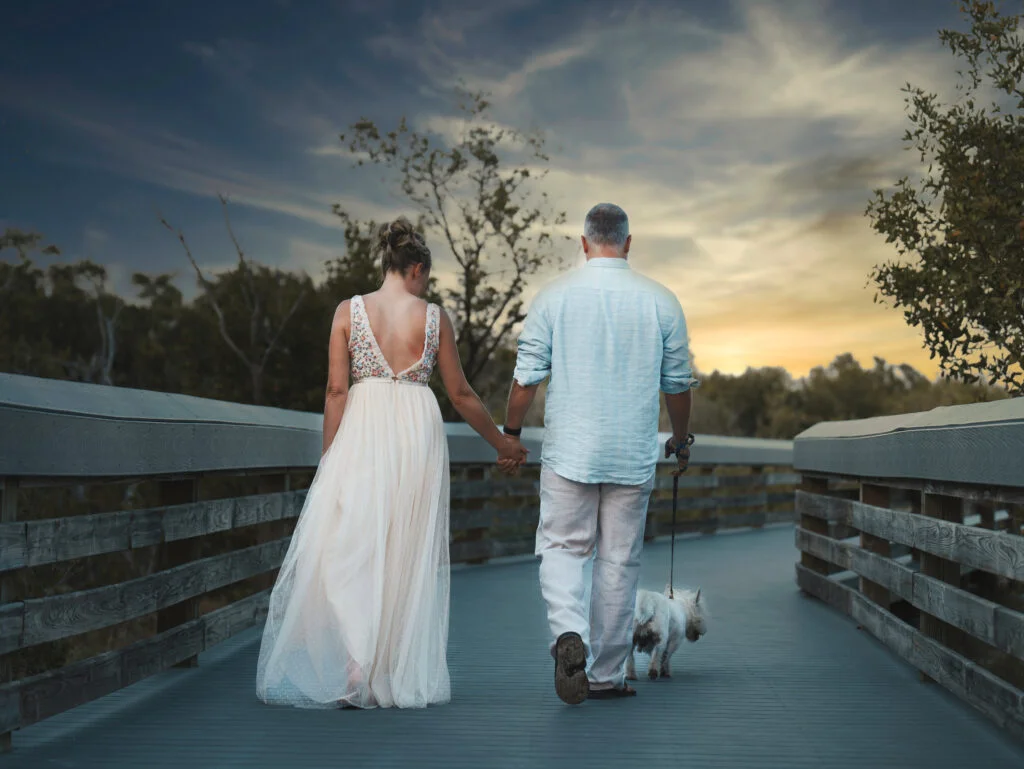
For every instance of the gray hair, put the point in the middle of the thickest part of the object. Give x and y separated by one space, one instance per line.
606 225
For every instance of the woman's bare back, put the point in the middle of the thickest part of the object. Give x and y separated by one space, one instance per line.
398 323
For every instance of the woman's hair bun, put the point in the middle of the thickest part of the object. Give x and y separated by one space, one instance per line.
401 246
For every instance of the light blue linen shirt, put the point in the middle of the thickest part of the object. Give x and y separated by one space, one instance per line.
609 339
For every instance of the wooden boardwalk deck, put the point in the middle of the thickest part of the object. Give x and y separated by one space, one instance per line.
781 680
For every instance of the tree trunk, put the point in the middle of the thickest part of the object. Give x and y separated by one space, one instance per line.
257 384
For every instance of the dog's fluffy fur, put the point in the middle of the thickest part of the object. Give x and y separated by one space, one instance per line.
659 625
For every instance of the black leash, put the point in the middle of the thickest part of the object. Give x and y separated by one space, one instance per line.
675 505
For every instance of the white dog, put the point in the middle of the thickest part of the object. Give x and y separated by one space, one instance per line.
659 625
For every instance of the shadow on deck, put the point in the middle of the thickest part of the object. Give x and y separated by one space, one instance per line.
780 680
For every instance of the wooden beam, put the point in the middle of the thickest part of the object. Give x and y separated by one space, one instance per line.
973 492
34 543
69 614
177 553
813 486
877 496
1000 700
968 545
8 518
30 700
946 570
990 622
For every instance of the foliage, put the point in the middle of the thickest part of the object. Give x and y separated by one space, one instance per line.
769 403
965 221
480 201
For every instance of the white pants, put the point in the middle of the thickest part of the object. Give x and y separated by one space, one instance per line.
604 521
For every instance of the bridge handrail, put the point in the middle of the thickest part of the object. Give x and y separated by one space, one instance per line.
51 428
937 499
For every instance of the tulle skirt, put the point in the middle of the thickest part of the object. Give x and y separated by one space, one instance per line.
359 612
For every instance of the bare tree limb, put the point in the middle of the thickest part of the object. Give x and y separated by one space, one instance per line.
210 295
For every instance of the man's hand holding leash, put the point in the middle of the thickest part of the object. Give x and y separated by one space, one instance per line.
681 449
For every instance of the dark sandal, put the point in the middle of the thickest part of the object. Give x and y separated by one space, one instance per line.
571 682
612 694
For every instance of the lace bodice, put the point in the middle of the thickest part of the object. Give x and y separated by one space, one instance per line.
368 362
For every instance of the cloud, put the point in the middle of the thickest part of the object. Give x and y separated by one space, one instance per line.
120 143
744 147
745 157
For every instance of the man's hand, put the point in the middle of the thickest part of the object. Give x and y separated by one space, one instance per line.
680 447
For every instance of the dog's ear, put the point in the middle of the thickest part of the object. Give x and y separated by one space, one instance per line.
697 599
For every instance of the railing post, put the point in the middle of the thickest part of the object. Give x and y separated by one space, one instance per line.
171 554
8 514
762 486
815 526
705 471
877 496
275 484
942 508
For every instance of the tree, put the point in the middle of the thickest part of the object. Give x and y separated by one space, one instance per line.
99 366
22 243
257 289
965 219
479 198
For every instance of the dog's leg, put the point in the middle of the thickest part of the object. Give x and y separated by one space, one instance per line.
666 660
631 665
653 670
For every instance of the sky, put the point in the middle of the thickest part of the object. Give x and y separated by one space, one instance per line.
743 139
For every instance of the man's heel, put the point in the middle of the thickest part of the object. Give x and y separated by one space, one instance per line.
571 682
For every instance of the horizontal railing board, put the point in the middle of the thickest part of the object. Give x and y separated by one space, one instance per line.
30 700
519 487
490 516
485 549
51 428
997 625
51 540
993 551
724 502
690 481
524 545
723 522
34 543
971 493
998 699
69 614
979 443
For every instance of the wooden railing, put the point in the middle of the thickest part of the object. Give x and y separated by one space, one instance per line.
141 528
912 525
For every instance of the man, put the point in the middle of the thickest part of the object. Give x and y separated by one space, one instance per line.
609 339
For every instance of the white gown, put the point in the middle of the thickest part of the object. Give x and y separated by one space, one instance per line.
359 613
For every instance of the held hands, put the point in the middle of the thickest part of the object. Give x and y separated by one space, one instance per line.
511 455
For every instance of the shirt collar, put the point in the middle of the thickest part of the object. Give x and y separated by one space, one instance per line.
604 262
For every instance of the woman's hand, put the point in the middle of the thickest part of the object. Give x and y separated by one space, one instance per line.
511 454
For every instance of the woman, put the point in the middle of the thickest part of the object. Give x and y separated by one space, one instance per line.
358 616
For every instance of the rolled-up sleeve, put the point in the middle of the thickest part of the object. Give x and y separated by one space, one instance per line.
533 358
676 364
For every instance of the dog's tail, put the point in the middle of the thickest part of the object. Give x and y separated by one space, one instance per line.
644 609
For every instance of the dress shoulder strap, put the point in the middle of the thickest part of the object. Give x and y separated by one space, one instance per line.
433 328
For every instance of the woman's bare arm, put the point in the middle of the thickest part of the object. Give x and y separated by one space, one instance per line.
337 374
463 397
